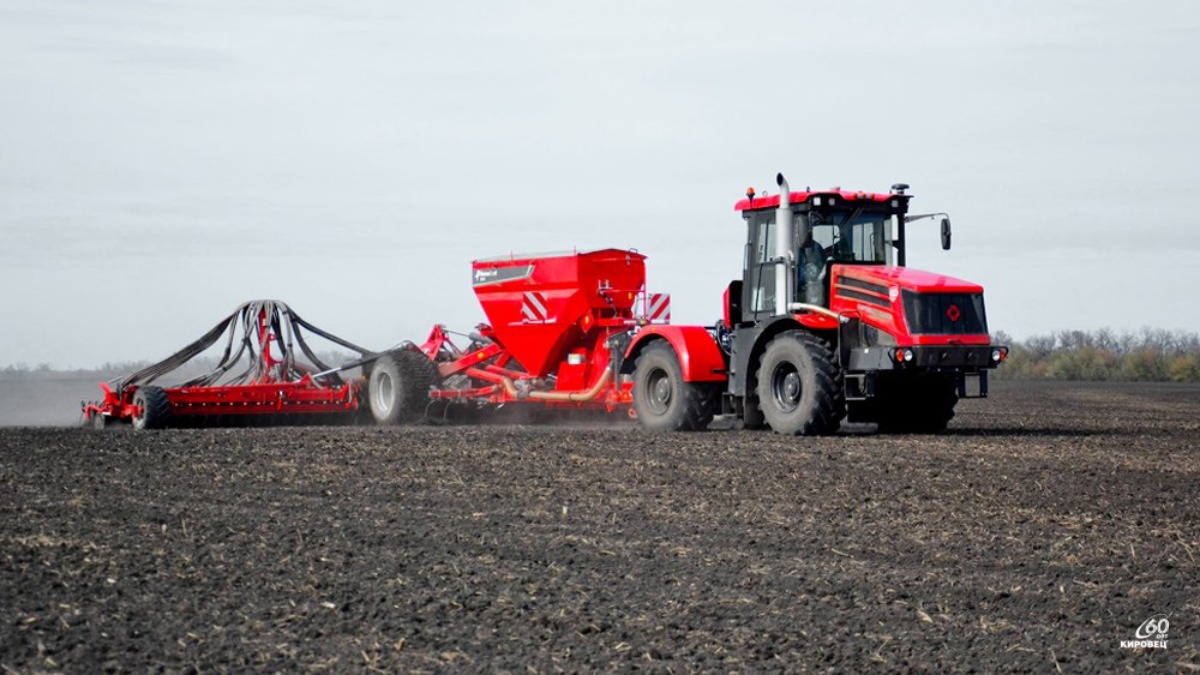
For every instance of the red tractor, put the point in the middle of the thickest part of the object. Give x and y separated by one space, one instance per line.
826 323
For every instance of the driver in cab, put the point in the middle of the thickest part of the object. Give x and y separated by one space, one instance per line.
810 266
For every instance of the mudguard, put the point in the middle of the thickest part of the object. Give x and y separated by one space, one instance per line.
699 356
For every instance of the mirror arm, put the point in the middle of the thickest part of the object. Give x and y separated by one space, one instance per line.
922 216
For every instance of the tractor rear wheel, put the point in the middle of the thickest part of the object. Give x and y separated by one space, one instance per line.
663 400
916 406
154 408
398 390
800 386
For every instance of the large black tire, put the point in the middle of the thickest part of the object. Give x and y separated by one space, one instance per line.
155 408
398 391
663 400
919 405
800 386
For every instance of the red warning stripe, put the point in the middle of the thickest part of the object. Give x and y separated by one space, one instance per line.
533 308
658 307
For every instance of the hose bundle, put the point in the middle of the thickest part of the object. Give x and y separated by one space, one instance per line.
242 329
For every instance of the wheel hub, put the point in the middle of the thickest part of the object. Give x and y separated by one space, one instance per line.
786 387
661 392
791 386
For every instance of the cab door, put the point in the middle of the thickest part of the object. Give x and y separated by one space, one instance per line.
758 289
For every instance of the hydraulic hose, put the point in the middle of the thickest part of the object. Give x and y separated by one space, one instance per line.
567 396
282 322
574 396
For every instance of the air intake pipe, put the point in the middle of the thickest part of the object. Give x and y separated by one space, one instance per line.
783 247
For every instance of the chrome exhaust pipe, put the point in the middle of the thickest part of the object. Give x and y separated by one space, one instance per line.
783 247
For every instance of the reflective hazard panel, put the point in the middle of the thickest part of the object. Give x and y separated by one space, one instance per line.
657 308
533 307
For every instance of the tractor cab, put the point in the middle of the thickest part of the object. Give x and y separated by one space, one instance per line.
790 265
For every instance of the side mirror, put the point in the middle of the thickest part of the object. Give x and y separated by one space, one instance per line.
945 234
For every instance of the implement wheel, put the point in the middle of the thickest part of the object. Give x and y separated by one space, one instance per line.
663 400
155 408
800 386
399 387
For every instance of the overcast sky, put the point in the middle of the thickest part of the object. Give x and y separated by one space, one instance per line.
161 162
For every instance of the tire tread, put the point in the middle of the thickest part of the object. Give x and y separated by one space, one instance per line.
414 375
156 407
829 406
699 401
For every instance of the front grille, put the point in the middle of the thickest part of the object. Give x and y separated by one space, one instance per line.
945 313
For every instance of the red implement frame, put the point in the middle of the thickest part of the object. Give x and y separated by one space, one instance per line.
494 377
559 327
274 383
303 396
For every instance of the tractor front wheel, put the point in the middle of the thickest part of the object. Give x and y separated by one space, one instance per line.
800 386
153 408
663 400
398 390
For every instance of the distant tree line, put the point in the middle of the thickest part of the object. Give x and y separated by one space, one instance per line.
1151 355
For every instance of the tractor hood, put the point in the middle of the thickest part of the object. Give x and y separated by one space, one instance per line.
912 306
906 278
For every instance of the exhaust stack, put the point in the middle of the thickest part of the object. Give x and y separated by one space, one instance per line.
783 247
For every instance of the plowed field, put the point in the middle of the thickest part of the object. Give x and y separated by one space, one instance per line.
1043 529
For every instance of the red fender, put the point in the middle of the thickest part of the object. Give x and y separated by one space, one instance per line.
699 356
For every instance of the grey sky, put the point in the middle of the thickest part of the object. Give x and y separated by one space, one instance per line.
160 162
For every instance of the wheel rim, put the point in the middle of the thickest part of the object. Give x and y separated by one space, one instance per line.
383 392
660 391
786 387
139 420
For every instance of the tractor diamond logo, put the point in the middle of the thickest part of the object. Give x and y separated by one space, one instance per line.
953 313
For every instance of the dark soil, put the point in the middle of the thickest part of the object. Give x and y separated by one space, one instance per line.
1040 531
